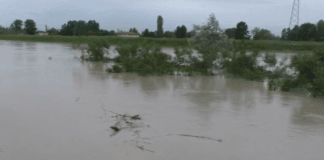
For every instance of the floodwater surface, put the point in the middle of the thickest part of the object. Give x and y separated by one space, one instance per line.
61 108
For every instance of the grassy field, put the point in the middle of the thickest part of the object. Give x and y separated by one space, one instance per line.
261 45
113 40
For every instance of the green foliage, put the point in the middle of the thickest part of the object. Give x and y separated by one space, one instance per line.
106 33
293 34
159 32
209 41
93 26
241 31
307 32
133 30
320 31
243 65
115 69
52 31
30 27
310 69
17 25
262 34
147 60
284 34
288 84
270 60
96 50
230 32
169 34
79 28
181 32
147 33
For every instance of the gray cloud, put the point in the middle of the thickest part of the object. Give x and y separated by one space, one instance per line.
125 14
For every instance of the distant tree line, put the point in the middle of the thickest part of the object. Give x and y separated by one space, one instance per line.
304 32
180 32
240 32
17 27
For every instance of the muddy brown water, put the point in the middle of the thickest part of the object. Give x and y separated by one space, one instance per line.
57 109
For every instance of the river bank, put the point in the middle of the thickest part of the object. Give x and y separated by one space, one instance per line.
261 45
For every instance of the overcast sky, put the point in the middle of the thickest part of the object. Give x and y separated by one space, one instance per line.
124 14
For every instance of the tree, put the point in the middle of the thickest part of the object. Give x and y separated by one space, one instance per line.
178 32
133 30
159 27
52 31
230 32
307 32
241 31
262 34
169 34
80 28
209 41
284 34
45 28
183 31
255 31
17 25
67 29
320 31
293 34
93 26
190 34
30 26
145 33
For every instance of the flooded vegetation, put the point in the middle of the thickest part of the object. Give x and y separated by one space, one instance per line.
219 100
66 108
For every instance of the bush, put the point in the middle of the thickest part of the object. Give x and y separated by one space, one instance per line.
144 61
96 50
115 69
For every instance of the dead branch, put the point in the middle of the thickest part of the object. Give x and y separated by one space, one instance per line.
186 135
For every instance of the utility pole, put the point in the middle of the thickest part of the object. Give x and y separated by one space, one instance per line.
294 18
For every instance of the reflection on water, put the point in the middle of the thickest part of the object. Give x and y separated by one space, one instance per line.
55 107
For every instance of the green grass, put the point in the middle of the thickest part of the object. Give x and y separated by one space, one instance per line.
111 40
261 45
280 46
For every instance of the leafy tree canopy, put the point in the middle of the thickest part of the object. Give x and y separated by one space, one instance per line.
242 31
30 26
230 32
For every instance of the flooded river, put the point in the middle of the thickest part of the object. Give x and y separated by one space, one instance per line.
62 109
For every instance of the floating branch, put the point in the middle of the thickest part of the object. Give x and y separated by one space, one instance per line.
186 135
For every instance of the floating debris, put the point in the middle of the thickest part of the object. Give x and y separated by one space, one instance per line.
116 129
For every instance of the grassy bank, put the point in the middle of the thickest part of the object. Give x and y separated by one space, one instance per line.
112 40
261 45
280 46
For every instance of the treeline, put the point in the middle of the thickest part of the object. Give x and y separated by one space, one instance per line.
179 32
82 28
241 32
17 27
304 32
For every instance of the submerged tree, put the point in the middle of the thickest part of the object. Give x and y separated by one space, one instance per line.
159 31
209 40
